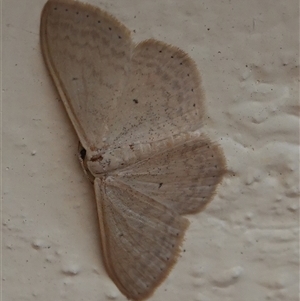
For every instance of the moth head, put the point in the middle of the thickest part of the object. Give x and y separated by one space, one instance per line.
94 162
102 161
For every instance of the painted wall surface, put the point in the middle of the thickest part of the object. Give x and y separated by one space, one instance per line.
245 245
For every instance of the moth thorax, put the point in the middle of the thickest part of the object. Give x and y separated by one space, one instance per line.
104 163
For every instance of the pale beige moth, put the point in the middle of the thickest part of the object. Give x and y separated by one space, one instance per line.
138 112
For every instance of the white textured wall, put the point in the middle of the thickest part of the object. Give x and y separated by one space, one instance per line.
245 245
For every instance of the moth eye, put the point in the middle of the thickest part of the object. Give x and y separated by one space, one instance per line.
82 153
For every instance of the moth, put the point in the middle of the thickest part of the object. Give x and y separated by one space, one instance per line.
138 111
